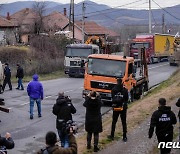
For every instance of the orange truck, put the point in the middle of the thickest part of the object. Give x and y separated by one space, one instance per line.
102 71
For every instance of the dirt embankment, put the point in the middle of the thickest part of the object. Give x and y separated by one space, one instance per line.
138 113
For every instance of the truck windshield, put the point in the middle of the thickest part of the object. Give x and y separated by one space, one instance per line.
78 52
104 67
137 45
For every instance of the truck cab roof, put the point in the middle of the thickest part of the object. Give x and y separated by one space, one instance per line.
111 57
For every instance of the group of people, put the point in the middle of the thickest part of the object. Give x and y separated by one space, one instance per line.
163 119
7 77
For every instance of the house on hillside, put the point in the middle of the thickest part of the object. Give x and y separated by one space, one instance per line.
55 22
8 32
26 19
91 28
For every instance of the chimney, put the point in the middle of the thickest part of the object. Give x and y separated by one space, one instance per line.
64 11
8 16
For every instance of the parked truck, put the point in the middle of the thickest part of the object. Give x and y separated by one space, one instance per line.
158 46
75 57
1 76
102 71
174 59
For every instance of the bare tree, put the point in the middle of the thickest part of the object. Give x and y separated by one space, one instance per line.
40 9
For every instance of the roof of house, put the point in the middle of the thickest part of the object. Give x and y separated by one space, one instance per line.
24 16
92 28
55 21
6 23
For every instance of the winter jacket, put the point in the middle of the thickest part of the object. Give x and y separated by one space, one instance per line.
35 88
72 149
8 143
119 88
7 72
20 72
93 119
163 119
63 109
178 105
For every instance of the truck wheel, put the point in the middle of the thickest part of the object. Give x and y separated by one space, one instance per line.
151 60
131 96
1 91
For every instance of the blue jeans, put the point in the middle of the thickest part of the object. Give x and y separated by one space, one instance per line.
64 139
38 102
20 85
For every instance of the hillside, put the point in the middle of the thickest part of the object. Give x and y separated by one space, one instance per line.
103 14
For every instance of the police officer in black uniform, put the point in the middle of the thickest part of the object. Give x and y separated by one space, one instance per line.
119 103
163 119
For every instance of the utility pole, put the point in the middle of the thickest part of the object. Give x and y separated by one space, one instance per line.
150 17
71 17
163 24
83 22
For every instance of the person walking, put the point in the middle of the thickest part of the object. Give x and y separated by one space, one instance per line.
119 103
52 148
163 119
63 109
7 77
36 94
93 118
20 75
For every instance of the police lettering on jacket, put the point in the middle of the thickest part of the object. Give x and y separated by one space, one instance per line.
164 117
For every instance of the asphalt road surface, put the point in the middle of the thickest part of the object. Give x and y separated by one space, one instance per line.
29 134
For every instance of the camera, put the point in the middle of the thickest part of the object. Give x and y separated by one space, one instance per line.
3 150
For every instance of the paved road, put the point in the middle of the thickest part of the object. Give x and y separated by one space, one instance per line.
29 134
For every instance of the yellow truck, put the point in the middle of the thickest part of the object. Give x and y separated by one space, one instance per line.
158 46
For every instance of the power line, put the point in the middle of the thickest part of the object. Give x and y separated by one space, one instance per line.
166 11
111 8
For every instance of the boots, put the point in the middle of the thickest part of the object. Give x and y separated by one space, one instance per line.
124 137
96 149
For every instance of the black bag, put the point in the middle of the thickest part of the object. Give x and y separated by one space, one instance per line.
117 100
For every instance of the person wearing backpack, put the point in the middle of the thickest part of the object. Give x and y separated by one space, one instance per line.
119 103
63 109
7 77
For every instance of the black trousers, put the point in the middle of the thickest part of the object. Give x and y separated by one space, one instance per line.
7 81
165 138
123 121
89 137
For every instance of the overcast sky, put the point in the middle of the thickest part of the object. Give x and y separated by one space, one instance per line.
135 4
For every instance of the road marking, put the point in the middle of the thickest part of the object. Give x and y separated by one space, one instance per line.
157 66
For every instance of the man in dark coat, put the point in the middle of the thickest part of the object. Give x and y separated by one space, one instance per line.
6 142
119 108
163 119
178 105
63 109
20 75
52 148
93 119
7 75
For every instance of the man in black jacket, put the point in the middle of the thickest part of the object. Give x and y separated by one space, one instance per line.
119 108
20 75
6 142
7 79
163 119
63 109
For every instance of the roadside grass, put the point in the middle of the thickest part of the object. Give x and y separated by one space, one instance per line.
43 77
137 112
24 48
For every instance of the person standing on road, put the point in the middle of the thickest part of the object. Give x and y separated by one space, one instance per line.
6 143
163 119
63 109
36 94
93 119
7 77
119 103
20 75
